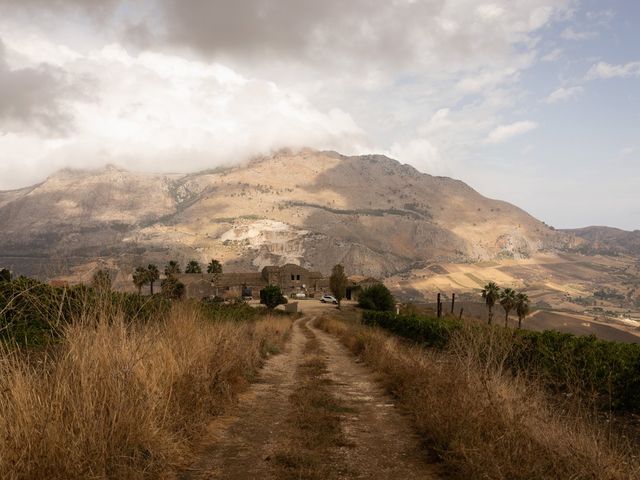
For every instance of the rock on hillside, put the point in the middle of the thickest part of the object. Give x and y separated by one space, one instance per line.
373 214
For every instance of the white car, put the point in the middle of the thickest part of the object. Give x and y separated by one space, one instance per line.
329 299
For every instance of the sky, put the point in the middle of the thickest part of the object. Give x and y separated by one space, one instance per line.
536 102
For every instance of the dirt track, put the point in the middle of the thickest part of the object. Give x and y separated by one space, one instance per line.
379 443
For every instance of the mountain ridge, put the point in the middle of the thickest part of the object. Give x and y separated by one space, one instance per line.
308 207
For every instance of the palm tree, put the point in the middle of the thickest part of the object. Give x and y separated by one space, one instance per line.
193 267
508 301
140 278
522 307
154 275
490 293
214 267
172 268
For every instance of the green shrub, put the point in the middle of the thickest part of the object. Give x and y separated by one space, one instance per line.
583 365
429 331
377 297
32 313
271 297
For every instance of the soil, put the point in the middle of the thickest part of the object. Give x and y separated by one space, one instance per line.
245 443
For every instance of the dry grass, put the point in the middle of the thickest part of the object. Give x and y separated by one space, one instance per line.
315 420
482 422
124 401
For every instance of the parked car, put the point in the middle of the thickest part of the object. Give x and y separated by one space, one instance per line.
329 299
300 295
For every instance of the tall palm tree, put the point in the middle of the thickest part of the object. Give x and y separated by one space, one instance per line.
193 267
140 278
490 293
522 307
214 267
508 302
172 268
154 275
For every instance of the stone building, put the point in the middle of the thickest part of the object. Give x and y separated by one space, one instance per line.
290 278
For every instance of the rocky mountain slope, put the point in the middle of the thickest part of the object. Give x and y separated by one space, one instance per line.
606 241
373 214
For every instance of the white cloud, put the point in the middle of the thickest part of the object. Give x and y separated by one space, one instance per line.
563 94
210 81
420 153
158 112
503 133
606 70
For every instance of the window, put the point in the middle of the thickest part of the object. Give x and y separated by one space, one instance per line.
297 277
293 277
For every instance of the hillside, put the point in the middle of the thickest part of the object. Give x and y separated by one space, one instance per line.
607 240
373 214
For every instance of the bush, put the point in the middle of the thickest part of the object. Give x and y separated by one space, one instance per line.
271 297
34 313
377 297
578 364
429 331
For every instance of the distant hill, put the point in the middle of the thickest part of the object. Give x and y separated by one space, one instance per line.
373 214
607 240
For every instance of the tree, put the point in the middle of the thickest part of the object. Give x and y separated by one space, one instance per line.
271 296
193 267
172 268
214 267
101 280
172 288
140 278
338 283
490 293
522 307
508 301
377 297
153 275
5 275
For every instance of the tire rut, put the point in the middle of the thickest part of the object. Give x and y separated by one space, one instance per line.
378 442
384 444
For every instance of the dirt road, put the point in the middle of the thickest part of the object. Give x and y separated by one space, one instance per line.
314 413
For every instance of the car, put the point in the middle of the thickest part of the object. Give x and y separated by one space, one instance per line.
300 295
329 299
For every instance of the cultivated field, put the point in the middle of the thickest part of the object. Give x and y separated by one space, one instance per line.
569 292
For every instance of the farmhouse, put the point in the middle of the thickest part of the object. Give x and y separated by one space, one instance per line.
291 279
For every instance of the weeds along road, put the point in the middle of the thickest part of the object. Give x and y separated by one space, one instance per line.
314 413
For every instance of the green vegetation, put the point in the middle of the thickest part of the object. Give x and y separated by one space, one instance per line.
172 268
491 294
33 313
140 278
429 331
377 297
101 280
5 275
508 302
522 307
608 372
338 283
193 267
172 288
214 267
153 275
271 297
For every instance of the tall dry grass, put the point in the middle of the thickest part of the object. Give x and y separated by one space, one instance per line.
117 400
480 420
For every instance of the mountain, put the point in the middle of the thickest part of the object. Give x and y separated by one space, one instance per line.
606 240
376 216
